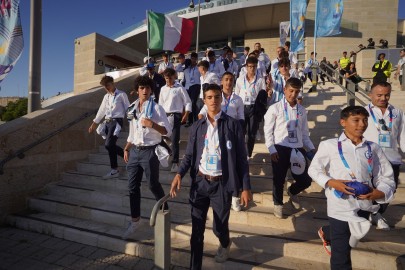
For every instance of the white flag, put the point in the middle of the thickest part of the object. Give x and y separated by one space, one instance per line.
284 30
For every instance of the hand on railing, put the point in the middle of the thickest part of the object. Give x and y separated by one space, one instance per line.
176 184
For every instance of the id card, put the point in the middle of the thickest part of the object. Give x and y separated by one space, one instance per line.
384 140
212 163
292 136
139 135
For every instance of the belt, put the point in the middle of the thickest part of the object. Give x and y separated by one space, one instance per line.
144 147
109 120
210 177
172 113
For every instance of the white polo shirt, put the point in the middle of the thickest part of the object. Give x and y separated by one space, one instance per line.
113 106
248 90
174 99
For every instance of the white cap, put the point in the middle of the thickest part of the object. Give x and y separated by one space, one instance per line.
163 155
297 161
210 49
146 58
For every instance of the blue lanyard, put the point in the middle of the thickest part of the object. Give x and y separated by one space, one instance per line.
254 85
369 160
227 103
375 119
189 73
213 68
287 118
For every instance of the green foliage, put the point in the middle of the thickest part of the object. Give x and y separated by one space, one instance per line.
15 110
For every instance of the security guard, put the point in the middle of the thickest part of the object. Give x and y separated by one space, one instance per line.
381 69
343 64
216 155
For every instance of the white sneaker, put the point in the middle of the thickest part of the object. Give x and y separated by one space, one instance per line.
174 168
112 174
278 211
222 253
258 136
295 201
235 204
132 227
380 221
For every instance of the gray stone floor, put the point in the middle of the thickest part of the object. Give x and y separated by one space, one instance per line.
27 250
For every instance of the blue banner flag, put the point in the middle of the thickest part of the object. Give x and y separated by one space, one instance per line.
328 17
298 10
11 37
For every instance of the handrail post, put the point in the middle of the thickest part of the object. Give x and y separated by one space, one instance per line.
160 219
350 93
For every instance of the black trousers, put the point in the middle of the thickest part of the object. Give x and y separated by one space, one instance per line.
395 168
111 142
342 73
204 193
175 136
280 169
194 92
338 234
140 161
252 122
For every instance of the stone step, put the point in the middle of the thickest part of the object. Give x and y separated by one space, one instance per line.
106 236
181 211
261 186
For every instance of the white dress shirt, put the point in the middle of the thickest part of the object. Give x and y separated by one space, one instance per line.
277 126
211 148
265 59
180 72
165 65
242 59
210 78
143 71
192 76
217 67
145 136
174 99
397 133
293 58
327 164
248 90
113 106
400 63
233 107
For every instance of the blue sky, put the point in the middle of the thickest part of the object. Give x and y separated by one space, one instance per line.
63 21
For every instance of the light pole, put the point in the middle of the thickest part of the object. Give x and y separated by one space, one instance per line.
191 5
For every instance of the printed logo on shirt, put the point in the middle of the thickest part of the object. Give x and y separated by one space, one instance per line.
368 154
394 116
229 145
300 113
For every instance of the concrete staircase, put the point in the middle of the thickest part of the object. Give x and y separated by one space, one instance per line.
85 208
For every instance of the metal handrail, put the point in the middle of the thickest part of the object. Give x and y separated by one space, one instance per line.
20 153
350 90
156 209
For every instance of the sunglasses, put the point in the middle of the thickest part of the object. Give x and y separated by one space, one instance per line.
383 125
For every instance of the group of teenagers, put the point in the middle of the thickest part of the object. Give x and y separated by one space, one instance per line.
359 170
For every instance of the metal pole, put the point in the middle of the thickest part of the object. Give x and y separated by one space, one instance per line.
162 241
34 70
198 26
350 92
314 68
403 78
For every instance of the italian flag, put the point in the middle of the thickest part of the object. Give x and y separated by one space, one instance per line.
169 32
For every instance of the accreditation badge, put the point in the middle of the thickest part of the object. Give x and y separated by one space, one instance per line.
384 140
212 163
292 136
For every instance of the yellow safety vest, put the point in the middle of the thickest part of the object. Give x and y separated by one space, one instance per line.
386 72
344 61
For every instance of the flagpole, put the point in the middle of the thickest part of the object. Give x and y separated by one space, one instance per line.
147 32
314 67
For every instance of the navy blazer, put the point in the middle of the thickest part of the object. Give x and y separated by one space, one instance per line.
235 168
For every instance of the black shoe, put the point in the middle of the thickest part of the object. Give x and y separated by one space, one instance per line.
310 90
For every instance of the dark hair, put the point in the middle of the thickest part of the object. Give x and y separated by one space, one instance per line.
204 63
169 72
252 53
283 54
228 73
252 60
284 62
194 54
380 55
352 111
211 53
382 84
165 54
294 83
143 81
106 79
212 87
403 50
181 55
247 48
288 44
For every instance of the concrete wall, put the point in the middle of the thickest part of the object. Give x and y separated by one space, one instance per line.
45 162
90 59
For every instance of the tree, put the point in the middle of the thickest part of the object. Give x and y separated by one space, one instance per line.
15 110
